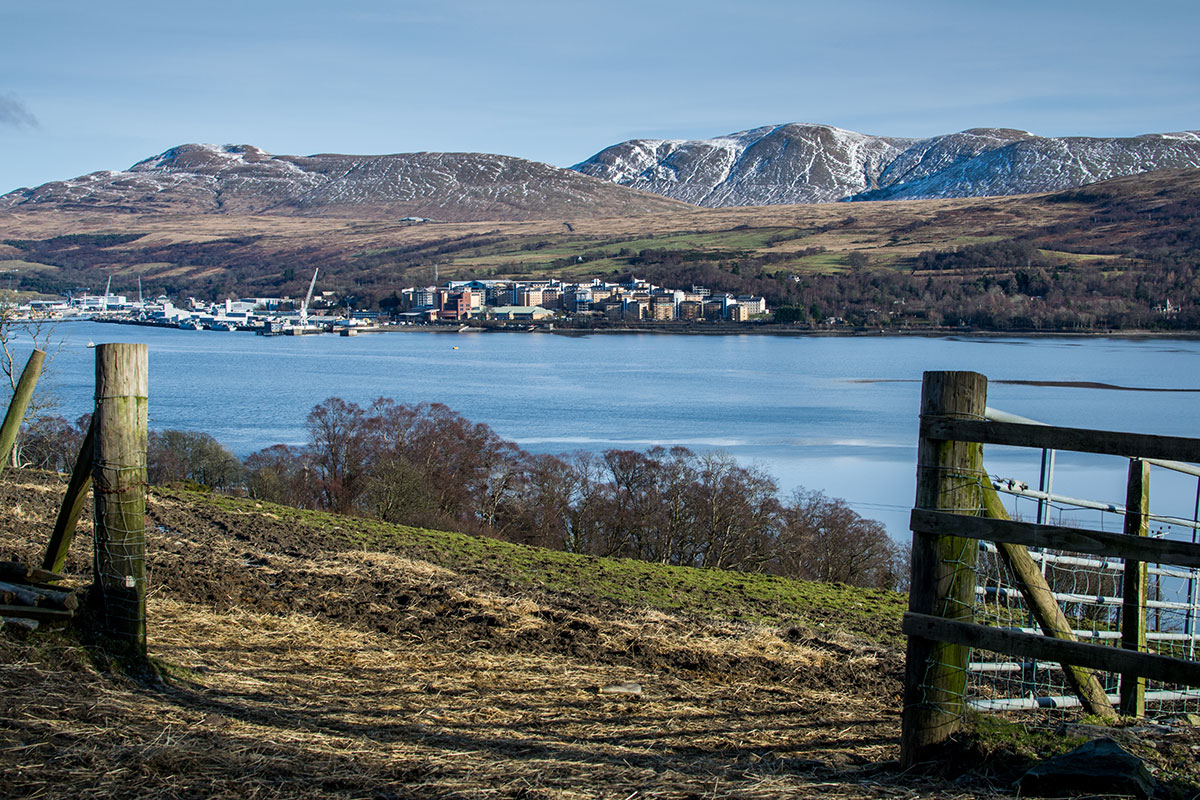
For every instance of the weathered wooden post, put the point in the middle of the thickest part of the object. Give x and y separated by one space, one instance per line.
950 477
1133 609
19 403
119 492
72 505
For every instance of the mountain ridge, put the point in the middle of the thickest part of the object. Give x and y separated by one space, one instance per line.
793 163
814 163
244 179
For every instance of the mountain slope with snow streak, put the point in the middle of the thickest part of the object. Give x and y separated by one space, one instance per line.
774 165
242 179
812 163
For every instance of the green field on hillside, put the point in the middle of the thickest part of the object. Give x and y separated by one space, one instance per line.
708 593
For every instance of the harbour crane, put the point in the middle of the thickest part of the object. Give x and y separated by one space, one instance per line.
308 299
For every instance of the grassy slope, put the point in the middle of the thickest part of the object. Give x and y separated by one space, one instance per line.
850 620
316 655
701 593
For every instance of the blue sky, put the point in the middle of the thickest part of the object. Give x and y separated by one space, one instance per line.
87 86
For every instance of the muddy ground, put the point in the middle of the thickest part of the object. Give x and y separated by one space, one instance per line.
298 667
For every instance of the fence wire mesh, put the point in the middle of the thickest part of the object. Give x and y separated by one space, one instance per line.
1089 591
120 541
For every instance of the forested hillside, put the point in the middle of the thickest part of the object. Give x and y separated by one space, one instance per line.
1115 255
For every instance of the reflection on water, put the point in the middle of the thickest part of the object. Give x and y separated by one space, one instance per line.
835 414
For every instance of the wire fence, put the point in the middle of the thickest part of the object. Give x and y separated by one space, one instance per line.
120 540
1086 624
1089 591
119 481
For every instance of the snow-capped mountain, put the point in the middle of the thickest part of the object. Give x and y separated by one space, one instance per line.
204 178
796 163
810 163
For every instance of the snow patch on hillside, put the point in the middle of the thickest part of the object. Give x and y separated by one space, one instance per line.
813 163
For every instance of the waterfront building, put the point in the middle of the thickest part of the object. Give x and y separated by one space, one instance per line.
662 307
523 313
753 305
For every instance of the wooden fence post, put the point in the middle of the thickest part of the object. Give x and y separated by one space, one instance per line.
949 478
119 492
19 403
72 504
1133 610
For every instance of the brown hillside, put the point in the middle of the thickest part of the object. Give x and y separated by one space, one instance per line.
308 655
243 180
1117 225
302 666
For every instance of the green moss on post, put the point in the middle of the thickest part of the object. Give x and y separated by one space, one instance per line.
949 478
19 404
119 492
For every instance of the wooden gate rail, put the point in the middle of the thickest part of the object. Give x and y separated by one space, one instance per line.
1044 648
1101 657
1057 537
940 625
1079 440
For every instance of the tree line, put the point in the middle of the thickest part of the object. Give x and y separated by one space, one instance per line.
1008 285
425 465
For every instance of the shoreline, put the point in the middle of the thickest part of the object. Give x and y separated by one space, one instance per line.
737 329
893 334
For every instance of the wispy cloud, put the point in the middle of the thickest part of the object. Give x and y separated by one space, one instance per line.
14 114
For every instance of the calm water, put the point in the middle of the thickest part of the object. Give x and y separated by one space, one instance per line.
835 414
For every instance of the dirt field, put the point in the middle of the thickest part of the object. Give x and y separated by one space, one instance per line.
299 667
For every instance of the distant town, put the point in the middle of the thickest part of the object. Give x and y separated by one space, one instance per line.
495 303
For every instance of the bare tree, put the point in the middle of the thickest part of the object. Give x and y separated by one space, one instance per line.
427 465
628 502
823 539
398 492
50 442
339 453
36 330
563 504
473 476
175 455
735 524
279 474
